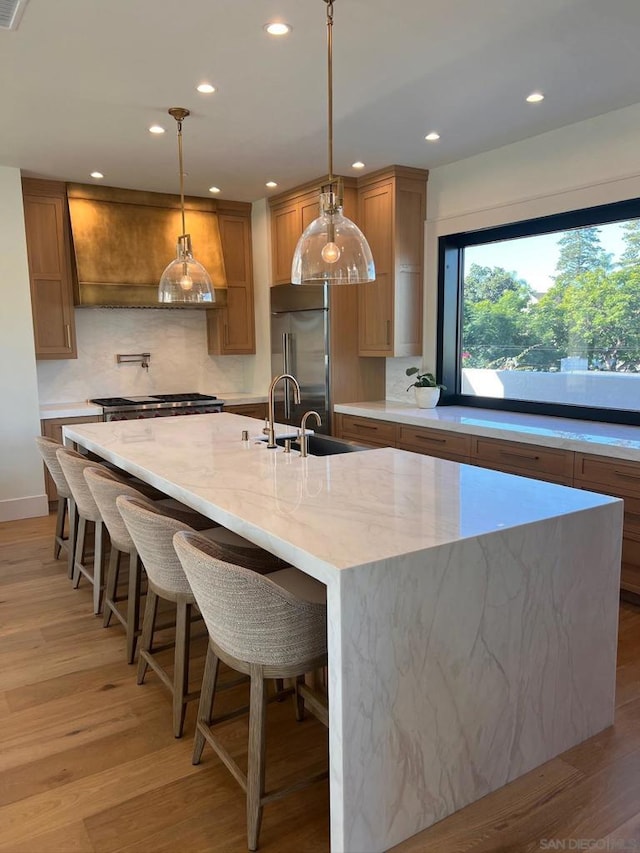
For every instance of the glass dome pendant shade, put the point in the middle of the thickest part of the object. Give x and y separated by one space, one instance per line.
184 281
332 249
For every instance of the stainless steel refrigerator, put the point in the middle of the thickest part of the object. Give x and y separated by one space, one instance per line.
300 345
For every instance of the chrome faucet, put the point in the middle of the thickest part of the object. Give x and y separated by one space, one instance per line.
287 377
303 429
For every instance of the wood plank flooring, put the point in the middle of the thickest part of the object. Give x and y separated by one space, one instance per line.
88 763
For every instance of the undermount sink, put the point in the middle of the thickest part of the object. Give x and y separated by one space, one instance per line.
324 445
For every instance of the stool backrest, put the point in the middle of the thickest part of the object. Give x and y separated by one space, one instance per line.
73 465
48 449
105 487
248 615
152 534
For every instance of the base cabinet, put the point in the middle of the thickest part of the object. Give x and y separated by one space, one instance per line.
50 271
52 428
249 410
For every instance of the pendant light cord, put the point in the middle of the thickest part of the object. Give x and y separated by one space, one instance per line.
181 168
330 84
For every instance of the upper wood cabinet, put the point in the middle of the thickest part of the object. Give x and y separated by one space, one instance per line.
231 329
391 213
291 213
50 276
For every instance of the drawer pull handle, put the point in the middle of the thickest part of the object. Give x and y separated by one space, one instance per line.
67 334
533 457
625 476
365 426
432 439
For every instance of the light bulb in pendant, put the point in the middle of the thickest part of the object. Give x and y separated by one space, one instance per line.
186 282
330 253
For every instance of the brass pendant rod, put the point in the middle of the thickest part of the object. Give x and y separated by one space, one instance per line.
330 84
181 167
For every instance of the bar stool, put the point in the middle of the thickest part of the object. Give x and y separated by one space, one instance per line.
152 534
267 627
105 487
66 506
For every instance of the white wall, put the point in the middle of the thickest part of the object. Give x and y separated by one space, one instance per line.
21 475
584 164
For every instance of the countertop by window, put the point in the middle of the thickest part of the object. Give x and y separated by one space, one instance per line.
617 440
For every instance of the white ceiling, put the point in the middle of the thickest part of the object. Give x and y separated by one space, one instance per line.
82 80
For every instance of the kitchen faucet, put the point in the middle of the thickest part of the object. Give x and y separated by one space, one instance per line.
287 377
304 439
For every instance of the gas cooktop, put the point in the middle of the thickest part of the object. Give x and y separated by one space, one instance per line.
106 402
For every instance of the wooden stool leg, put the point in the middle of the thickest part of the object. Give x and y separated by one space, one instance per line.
78 555
299 699
146 640
181 664
98 563
59 535
257 744
205 708
111 586
73 536
133 604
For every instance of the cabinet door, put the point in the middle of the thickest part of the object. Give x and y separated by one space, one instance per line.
375 300
231 330
249 410
286 227
50 277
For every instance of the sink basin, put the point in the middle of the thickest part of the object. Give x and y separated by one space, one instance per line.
325 445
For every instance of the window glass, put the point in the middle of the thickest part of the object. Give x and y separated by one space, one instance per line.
550 318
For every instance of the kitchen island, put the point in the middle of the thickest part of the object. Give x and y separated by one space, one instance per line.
472 615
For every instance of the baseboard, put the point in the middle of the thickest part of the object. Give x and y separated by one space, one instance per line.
17 508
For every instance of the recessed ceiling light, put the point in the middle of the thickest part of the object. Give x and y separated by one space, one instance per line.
535 98
155 128
271 184
357 165
206 88
214 189
97 175
277 28
432 137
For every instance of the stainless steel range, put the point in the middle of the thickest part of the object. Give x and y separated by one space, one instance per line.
157 406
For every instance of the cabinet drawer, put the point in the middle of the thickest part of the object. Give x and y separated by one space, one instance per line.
434 442
613 476
369 431
249 410
530 460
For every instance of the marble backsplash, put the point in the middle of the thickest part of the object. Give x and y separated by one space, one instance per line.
397 379
176 339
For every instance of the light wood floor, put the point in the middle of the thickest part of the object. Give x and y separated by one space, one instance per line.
88 761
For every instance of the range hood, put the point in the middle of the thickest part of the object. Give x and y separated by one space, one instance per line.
123 239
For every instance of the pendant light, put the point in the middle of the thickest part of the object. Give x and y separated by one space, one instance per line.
184 281
332 250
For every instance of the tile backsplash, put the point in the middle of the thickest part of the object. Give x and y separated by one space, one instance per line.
397 379
176 339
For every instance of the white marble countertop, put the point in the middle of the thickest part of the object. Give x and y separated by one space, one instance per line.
84 408
617 440
375 504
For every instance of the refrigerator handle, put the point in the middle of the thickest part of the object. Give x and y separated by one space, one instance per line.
286 350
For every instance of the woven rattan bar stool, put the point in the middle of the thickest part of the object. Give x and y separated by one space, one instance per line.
66 506
73 465
267 627
105 487
152 534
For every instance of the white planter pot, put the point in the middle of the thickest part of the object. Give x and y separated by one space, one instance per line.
427 398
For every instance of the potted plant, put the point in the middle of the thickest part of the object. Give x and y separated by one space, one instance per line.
427 389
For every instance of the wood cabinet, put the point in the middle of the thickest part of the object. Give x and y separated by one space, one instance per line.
50 268
291 213
249 410
365 430
529 460
434 442
231 329
391 213
619 478
52 428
